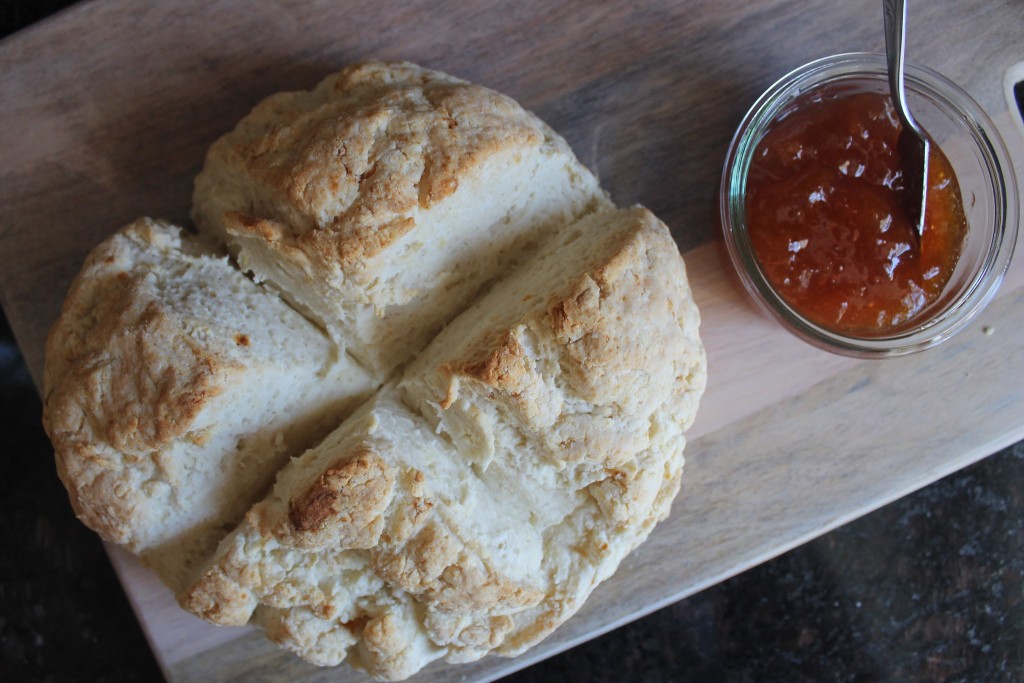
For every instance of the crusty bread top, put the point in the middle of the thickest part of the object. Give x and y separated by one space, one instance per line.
338 170
122 378
110 300
146 387
579 348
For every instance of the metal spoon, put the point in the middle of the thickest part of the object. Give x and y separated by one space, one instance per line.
913 143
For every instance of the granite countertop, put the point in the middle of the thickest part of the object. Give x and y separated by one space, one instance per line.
928 588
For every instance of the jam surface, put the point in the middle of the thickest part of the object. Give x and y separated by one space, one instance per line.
826 220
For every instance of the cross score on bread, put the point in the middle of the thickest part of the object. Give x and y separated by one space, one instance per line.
415 389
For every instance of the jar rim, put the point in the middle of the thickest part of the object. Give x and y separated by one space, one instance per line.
916 335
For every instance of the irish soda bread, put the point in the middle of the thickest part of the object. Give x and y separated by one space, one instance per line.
521 357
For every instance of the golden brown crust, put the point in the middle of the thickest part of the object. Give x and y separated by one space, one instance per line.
501 364
616 321
617 331
219 598
345 483
122 381
340 170
590 317
343 507
436 567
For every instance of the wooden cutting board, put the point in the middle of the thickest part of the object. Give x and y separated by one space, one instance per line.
108 109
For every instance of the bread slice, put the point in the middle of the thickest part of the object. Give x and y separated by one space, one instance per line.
175 388
568 386
395 636
379 202
563 365
505 475
383 482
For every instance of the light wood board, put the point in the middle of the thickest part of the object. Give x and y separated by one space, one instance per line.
108 109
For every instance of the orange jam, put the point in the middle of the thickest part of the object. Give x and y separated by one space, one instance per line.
826 220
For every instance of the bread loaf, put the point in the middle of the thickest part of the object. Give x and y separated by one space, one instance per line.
175 388
524 357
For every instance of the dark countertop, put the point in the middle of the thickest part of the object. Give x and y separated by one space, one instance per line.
929 588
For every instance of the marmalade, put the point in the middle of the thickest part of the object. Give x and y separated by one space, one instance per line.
826 220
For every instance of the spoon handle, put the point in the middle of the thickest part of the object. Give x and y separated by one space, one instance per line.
895 13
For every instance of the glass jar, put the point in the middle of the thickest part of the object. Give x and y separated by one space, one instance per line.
979 158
